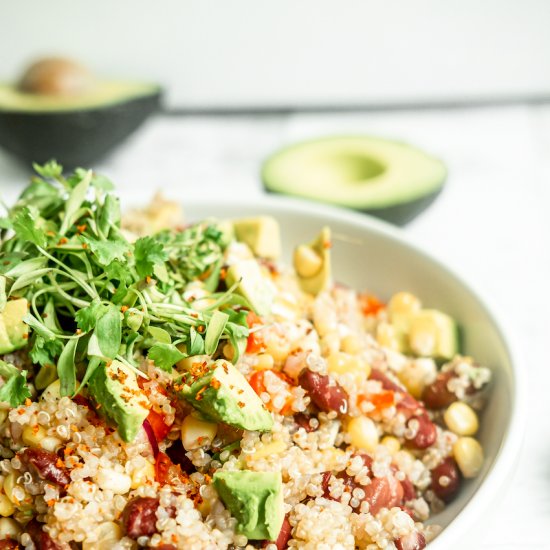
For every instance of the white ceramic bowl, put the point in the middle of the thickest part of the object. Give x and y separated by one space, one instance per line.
369 254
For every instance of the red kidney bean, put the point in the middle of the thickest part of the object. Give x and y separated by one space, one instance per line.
383 492
302 421
7 544
406 403
325 484
436 395
139 517
446 480
324 391
413 541
409 492
426 433
46 465
40 538
166 547
283 538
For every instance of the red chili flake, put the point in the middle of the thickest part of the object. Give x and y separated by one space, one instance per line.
198 397
241 404
84 246
28 402
215 383
124 309
200 328
81 228
148 279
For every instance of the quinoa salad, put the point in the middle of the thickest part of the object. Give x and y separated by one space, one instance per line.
176 386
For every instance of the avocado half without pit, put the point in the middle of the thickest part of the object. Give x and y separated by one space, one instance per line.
384 178
60 110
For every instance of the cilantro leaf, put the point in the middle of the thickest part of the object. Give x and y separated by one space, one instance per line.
14 390
51 169
45 352
86 318
148 252
107 251
165 356
24 224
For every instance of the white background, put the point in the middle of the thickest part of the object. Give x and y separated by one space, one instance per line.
230 53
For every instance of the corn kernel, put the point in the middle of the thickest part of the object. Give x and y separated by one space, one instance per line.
416 375
307 262
277 346
404 302
196 432
264 361
386 336
461 419
204 508
33 435
363 433
392 443
228 352
351 344
105 536
109 479
468 454
342 363
9 528
266 449
330 343
141 475
6 506
51 443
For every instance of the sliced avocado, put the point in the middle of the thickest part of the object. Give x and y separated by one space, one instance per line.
14 332
252 285
222 393
433 334
262 234
114 387
385 178
312 263
58 110
255 500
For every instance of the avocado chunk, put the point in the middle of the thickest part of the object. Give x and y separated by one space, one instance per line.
59 109
262 234
222 394
385 178
255 500
433 334
312 263
14 332
114 387
251 284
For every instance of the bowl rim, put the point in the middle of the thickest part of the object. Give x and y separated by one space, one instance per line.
511 444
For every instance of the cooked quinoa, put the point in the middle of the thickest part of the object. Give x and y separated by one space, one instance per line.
372 410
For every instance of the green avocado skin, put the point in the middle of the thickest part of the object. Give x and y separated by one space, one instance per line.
73 137
255 499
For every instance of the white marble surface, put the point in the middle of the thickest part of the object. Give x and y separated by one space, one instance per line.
491 224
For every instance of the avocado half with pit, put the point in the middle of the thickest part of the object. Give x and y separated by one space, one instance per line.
59 110
385 178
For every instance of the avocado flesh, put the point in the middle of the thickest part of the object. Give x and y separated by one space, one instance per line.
255 500
251 284
13 330
223 394
103 94
385 178
114 387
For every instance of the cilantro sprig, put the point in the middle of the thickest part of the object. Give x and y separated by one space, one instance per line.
95 295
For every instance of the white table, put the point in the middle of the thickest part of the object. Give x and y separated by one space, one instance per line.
491 224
